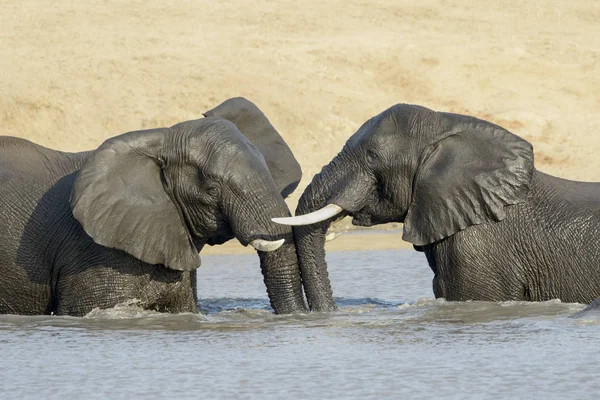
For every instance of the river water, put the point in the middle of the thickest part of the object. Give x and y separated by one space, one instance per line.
390 340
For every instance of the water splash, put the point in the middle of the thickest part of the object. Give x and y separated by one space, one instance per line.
216 305
125 310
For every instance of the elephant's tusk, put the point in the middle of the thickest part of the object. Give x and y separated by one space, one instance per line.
266 245
324 213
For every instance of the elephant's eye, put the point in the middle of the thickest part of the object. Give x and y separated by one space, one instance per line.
213 190
371 157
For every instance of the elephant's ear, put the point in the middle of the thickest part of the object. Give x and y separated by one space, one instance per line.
251 121
119 199
466 179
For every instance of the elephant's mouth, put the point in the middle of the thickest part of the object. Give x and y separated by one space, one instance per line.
362 219
219 239
369 217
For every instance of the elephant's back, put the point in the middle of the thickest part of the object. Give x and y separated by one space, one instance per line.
27 172
26 161
571 200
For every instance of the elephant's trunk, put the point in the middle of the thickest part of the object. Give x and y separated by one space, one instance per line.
282 278
310 239
252 222
311 257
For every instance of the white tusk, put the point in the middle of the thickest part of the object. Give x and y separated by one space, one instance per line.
265 245
332 236
324 213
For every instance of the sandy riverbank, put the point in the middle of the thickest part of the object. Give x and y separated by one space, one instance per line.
73 74
353 240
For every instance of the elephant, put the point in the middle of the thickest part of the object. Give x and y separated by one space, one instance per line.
492 226
126 221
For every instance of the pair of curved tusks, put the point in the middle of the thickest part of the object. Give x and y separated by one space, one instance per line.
330 210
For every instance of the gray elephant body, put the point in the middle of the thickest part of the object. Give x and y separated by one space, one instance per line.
491 225
57 267
545 248
126 221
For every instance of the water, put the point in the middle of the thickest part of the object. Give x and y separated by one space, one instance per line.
391 339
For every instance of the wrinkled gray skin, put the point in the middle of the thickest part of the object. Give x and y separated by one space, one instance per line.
150 200
491 226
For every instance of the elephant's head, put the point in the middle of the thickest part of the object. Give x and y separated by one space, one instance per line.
162 194
438 173
251 121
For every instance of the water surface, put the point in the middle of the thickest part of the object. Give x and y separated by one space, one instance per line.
391 339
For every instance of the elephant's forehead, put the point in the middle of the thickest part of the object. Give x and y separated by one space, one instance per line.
361 134
230 160
218 135
234 160
377 130
395 128
217 147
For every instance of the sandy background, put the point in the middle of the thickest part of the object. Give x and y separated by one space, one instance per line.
74 74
